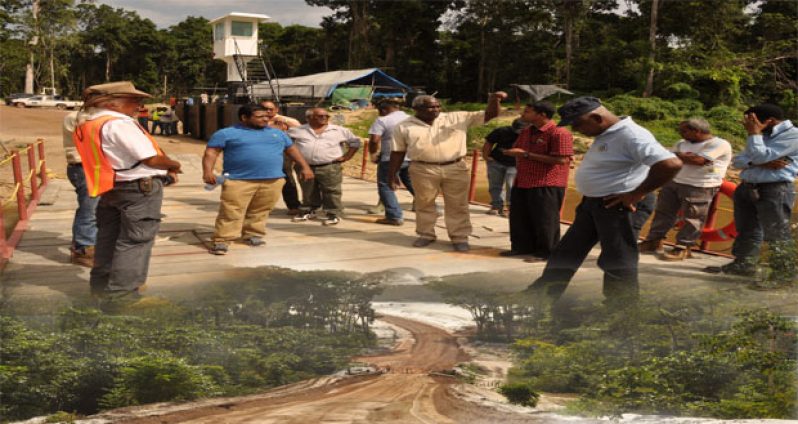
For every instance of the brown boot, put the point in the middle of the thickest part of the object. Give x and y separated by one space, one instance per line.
651 246
83 257
678 253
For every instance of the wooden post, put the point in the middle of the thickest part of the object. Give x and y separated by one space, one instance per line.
365 162
34 182
3 248
712 216
472 187
16 164
43 169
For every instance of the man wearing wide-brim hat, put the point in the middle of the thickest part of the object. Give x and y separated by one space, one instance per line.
125 166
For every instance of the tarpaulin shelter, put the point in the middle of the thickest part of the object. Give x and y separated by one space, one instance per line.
321 86
539 92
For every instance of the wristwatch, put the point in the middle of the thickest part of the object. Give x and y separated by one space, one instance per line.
526 155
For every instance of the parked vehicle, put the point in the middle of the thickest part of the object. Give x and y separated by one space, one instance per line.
59 102
16 96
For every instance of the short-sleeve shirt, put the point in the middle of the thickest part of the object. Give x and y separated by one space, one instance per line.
324 148
618 160
383 127
502 138
719 154
549 140
251 154
443 141
125 145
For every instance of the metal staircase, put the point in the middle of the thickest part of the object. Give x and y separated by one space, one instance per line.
254 70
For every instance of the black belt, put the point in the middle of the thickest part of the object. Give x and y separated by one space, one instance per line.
764 184
323 164
163 178
451 162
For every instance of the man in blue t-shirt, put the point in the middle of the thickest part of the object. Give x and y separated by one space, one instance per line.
254 178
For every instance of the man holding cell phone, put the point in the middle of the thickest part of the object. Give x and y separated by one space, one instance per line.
763 202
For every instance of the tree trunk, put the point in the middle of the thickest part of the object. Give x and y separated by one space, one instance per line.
481 71
569 39
29 69
652 45
107 66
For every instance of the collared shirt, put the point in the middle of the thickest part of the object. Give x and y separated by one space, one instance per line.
618 160
549 140
716 150
383 127
125 144
781 143
319 149
251 153
443 141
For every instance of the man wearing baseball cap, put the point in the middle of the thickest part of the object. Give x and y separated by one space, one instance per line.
624 163
125 166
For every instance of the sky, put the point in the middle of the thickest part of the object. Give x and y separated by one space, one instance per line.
169 12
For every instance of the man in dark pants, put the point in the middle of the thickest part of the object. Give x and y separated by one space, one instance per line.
763 202
623 164
125 166
543 152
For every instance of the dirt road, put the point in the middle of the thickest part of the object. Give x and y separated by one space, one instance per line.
405 394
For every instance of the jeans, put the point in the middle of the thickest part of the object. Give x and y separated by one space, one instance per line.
84 226
762 213
387 196
594 223
500 181
144 122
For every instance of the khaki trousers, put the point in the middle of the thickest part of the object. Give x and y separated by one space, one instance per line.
244 208
452 180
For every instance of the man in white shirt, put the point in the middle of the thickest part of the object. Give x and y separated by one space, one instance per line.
705 159
321 145
624 164
380 140
129 214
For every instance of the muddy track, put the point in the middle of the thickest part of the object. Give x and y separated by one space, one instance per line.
406 393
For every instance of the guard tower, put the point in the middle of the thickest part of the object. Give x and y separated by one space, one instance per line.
235 41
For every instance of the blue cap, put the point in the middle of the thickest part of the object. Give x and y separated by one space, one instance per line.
575 108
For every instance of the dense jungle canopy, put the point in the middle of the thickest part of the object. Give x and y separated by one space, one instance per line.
726 52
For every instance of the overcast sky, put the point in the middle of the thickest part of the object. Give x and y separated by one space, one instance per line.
169 12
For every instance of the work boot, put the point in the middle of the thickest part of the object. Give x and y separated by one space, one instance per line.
83 256
651 246
678 253
741 268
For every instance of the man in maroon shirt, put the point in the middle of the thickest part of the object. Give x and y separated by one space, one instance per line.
543 153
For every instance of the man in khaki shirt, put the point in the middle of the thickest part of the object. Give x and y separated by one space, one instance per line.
435 142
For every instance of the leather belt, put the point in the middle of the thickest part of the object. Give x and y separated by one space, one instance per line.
451 162
322 164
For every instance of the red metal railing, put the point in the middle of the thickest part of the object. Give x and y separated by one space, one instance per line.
37 179
472 189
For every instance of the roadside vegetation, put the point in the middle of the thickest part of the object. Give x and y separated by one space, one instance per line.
697 356
276 328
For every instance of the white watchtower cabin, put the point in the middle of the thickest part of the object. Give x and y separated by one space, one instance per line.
235 41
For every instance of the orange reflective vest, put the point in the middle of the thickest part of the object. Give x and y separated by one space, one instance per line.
100 175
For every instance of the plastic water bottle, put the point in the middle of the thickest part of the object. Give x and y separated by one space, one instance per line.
219 181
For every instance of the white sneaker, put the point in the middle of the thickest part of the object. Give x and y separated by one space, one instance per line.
304 216
330 220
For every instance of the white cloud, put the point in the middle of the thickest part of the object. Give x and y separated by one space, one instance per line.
169 12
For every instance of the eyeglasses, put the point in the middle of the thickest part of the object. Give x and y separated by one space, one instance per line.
268 108
321 116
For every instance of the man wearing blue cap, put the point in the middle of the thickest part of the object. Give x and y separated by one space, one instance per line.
624 164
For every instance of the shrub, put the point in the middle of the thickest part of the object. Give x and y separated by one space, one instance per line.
641 108
519 394
161 378
681 90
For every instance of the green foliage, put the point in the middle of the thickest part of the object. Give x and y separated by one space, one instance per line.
235 338
157 378
745 370
520 394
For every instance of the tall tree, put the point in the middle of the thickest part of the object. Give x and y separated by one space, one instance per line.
652 46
